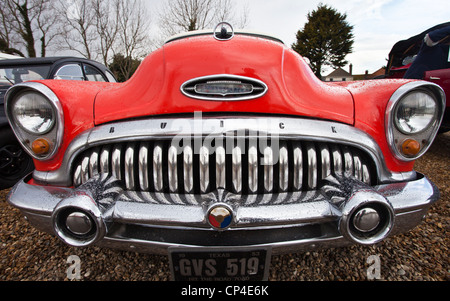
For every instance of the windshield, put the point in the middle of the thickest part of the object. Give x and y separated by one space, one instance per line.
15 75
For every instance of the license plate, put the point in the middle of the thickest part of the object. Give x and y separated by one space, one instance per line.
212 264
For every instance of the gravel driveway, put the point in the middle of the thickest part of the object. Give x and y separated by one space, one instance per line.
422 254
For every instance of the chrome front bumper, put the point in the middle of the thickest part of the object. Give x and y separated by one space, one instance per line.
285 222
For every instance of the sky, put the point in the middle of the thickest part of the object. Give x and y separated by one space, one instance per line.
378 24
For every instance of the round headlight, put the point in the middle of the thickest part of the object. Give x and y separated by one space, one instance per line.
415 112
33 113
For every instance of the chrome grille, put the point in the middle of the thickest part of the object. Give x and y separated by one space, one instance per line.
158 166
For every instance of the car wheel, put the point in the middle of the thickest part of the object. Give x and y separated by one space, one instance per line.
15 163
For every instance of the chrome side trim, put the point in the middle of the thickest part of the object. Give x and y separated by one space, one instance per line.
177 128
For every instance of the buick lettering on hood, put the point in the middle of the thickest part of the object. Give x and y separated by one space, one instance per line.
221 150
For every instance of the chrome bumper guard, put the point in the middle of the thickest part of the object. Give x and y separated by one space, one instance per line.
343 211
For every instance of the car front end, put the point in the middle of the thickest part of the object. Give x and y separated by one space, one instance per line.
210 148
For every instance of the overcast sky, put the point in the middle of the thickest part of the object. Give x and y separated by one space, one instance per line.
378 24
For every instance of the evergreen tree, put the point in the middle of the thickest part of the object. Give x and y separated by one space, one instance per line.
123 67
326 39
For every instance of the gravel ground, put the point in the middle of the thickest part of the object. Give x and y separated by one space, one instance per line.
421 254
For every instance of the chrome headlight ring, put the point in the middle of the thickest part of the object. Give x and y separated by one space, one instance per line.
414 113
52 132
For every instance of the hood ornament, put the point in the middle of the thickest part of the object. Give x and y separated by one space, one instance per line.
223 31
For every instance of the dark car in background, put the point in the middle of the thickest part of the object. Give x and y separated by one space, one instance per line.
15 163
403 54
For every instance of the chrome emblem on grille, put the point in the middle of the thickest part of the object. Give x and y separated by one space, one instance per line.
220 217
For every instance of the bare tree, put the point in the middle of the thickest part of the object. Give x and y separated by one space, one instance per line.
133 34
107 14
21 22
46 20
188 15
9 40
24 22
101 29
78 27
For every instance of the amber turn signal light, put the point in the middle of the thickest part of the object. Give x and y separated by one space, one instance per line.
410 147
40 146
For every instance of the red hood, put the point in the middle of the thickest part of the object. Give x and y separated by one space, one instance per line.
292 87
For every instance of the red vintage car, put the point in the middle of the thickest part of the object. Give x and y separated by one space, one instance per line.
222 149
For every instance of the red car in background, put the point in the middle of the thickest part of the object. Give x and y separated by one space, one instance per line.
222 149
403 54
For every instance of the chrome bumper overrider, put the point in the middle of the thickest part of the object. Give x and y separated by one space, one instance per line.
286 222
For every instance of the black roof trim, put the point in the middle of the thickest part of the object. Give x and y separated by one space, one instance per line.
48 60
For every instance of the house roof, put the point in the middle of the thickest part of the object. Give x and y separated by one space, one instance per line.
339 72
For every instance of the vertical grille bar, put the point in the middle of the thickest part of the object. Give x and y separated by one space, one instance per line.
312 166
115 162
325 161
104 160
188 169
172 169
253 169
337 160
93 163
284 169
298 166
220 167
237 169
204 169
365 174
358 167
268 169
129 167
77 176
157 168
85 170
143 167
348 162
